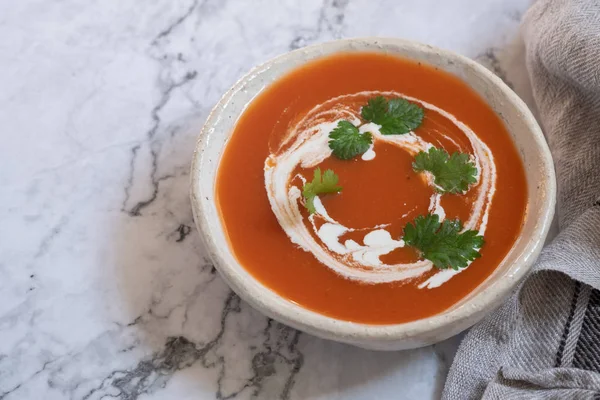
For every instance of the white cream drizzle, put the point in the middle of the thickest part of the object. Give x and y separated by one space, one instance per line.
373 128
306 145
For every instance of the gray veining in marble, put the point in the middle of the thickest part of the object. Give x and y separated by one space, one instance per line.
104 288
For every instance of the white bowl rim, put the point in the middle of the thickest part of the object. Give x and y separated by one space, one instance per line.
283 310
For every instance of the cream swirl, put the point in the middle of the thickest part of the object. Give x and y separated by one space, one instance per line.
306 146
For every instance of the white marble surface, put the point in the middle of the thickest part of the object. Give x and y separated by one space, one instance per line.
104 289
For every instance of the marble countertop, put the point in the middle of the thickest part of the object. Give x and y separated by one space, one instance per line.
105 291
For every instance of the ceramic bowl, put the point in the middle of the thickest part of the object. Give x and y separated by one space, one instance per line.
523 129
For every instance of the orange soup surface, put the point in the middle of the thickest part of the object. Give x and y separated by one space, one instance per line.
358 268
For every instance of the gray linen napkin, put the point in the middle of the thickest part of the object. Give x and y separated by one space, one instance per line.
544 343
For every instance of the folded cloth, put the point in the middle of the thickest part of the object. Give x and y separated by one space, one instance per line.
544 343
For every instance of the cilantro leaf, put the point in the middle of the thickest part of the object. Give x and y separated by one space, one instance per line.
375 109
443 244
396 116
347 142
453 174
326 183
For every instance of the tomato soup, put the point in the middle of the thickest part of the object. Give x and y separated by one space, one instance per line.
370 188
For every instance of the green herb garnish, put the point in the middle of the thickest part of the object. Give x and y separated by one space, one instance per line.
396 116
452 174
326 183
443 244
347 142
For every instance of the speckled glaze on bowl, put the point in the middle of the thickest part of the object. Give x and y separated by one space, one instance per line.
524 131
